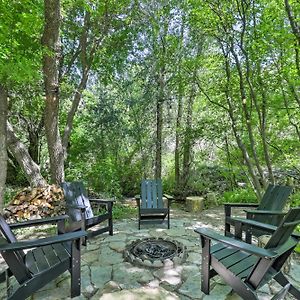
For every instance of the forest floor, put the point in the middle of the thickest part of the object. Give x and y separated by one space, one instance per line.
105 273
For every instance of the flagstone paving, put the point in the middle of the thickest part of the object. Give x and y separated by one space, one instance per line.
106 275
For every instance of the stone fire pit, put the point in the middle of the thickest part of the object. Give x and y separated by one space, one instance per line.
153 252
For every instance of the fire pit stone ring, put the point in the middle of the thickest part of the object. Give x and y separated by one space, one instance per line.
154 252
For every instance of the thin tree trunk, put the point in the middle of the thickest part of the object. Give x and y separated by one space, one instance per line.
85 62
159 126
20 153
187 143
179 119
3 143
296 31
50 68
246 157
286 104
247 116
263 125
177 140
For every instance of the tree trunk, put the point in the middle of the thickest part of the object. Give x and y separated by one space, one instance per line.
20 153
187 143
159 125
247 115
85 62
177 143
179 119
50 68
242 147
3 143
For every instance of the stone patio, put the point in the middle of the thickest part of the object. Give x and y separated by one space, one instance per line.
105 275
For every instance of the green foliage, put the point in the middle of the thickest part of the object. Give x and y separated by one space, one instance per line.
10 192
121 211
103 176
295 199
20 47
239 196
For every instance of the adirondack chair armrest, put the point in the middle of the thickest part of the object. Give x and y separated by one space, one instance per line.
101 201
229 206
241 204
43 242
169 197
258 225
38 222
77 206
265 212
249 248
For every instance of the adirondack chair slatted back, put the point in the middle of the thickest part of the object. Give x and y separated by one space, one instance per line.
275 197
14 259
75 194
285 229
151 195
280 238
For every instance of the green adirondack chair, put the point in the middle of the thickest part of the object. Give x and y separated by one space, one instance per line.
246 267
269 210
151 208
80 210
44 259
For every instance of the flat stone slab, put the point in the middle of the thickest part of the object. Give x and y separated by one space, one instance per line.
141 294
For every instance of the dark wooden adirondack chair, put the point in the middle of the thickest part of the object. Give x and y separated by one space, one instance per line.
246 267
268 211
151 208
47 258
79 209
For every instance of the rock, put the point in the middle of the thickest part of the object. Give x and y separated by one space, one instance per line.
100 276
117 246
219 292
194 204
191 287
143 293
128 276
110 257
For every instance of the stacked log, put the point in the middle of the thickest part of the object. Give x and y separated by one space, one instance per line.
35 203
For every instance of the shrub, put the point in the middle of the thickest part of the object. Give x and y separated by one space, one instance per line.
239 196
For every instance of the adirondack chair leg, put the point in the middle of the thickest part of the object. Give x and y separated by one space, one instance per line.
83 226
227 225
238 230
169 220
110 222
205 287
75 269
282 280
248 238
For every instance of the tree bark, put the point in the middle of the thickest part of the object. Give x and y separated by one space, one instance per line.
3 143
50 69
20 153
187 143
159 125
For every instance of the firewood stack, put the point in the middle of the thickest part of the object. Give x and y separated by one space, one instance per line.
35 203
